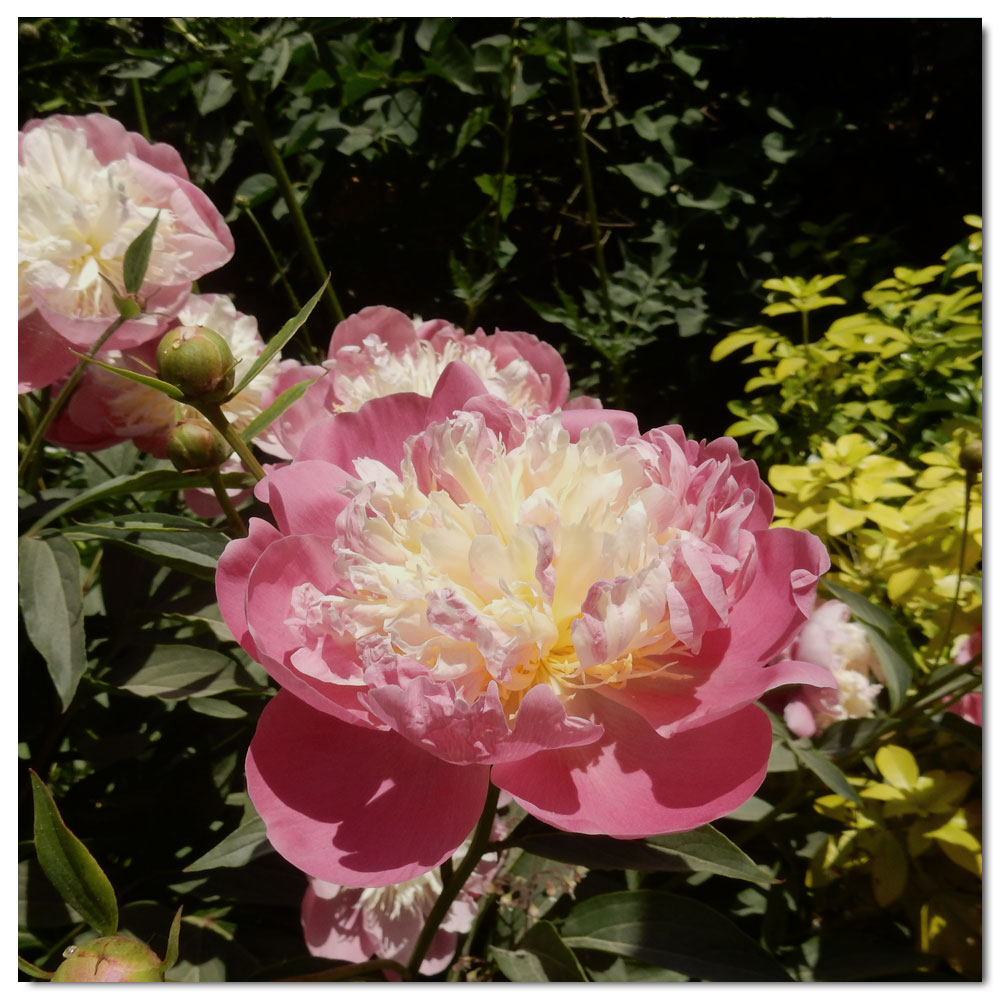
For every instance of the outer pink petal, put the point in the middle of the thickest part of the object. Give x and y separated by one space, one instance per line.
621 422
634 783
81 333
233 573
356 806
543 357
304 496
390 325
43 357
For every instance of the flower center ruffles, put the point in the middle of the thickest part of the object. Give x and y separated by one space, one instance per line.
546 561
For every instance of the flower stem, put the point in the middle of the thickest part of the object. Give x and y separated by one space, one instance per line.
232 514
277 165
64 394
213 413
477 848
946 634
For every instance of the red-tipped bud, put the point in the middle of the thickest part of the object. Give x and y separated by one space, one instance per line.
198 361
116 959
196 444
971 457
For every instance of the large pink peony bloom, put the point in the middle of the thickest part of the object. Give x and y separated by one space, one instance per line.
354 925
379 351
455 593
831 640
86 189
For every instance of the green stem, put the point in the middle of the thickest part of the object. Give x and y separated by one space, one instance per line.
278 266
477 848
232 514
588 183
946 634
140 109
64 394
213 413
805 329
277 166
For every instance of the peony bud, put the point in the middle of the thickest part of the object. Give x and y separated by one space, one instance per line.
196 444
198 361
971 457
116 959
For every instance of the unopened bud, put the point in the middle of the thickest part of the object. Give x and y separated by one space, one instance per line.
971 456
116 959
198 361
196 444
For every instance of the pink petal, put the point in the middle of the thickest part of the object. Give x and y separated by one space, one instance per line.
633 783
43 356
356 806
333 928
304 496
388 324
623 424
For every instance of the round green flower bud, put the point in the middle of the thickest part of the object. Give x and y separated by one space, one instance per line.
196 444
971 456
116 959
198 361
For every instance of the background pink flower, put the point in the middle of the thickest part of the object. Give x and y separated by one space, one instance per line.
86 189
582 614
969 706
831 640
354 925
379 351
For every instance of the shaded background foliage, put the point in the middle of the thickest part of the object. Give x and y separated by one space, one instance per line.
436 163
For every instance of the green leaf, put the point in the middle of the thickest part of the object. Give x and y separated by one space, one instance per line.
32 970
718 198
541 957
648 176
278 341
670 931
158 480
264 419
702 849
813 759
70 867
895 669
136 258
212 92
239 848
52 605
173 942
216 708
148 380
166 539
180 671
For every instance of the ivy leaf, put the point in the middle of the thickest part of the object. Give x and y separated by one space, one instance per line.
70 867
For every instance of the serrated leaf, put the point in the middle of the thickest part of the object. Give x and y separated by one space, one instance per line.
69 866
246 842
136 259
52 606
278 341
670 931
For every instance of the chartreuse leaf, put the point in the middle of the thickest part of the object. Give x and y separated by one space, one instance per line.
173 942
52 605
278 341
541 957
70 867
136 258
670 931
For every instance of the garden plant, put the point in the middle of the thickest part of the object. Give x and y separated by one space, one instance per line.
500 500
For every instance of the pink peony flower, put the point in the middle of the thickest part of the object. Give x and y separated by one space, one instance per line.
455 593
354 925
86 189
969 706
831 640
380 351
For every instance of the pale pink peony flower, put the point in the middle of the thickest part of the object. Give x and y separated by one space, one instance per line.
86 190
379 351
354 924
831 640
455 593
